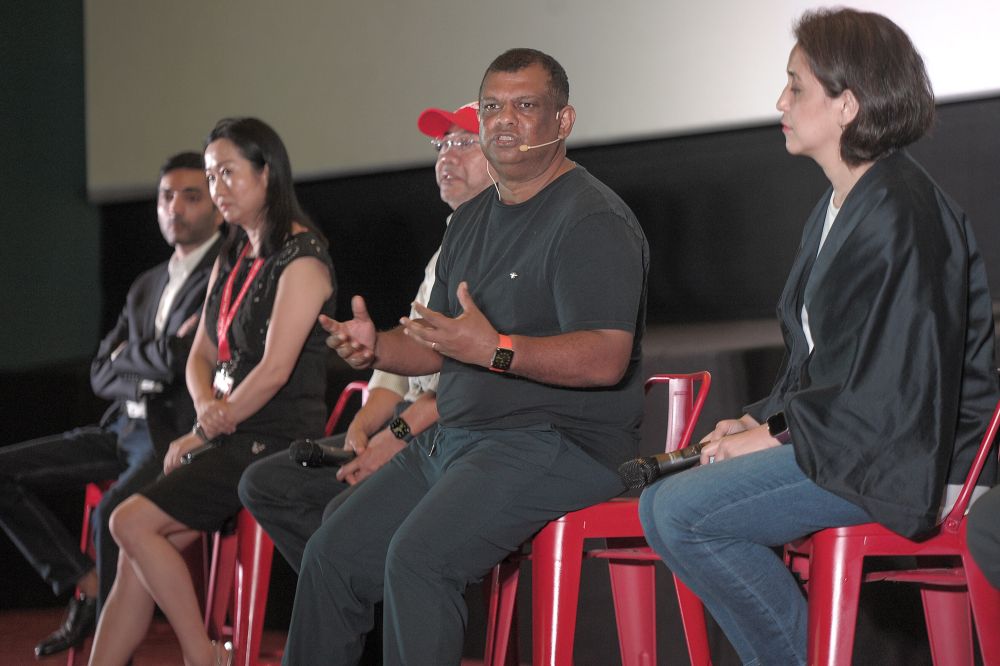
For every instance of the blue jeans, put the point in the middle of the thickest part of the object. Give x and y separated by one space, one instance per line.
715 527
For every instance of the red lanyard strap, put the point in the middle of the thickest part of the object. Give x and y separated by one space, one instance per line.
227 312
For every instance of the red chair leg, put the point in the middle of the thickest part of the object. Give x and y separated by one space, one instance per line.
501 614
985 601
556 558
693 621
834 589
949 625
633 589
91 498
220 585
255 552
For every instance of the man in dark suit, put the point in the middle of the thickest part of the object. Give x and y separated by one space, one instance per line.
140 366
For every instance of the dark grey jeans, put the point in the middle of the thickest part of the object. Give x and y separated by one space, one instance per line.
415 534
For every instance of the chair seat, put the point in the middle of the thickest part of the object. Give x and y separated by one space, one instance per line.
557 552
831 562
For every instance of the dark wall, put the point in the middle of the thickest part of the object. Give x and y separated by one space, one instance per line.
49 257
722 211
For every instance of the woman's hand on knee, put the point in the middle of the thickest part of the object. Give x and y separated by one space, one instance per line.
738 444
729 427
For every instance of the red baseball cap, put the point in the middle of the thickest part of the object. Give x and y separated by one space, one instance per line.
436 122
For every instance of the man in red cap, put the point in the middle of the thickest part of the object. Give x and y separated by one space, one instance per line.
290 501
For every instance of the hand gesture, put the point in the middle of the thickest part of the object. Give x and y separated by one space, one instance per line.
354 340
469 337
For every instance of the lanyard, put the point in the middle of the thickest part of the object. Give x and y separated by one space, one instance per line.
227 312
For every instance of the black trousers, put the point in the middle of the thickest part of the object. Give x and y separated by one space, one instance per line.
289 500
435 518
121 451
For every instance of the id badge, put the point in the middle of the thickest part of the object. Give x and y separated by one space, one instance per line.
223 380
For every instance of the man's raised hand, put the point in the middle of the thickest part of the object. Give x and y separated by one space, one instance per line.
354 340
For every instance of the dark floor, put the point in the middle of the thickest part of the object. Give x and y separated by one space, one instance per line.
21 629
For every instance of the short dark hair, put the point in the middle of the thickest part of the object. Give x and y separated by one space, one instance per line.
515 60
262 146
873 58
186 160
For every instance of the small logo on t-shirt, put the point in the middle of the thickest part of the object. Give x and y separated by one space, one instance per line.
513 275
257 448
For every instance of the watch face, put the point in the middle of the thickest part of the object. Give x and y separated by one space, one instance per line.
502 359
399 428
778 427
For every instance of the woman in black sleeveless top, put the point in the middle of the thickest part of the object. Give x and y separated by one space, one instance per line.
256 374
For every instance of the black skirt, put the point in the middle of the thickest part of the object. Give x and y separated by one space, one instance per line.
202 495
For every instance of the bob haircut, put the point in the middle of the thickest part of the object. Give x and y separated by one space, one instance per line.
262 146
872 57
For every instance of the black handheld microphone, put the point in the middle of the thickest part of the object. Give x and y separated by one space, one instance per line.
641 472
319 453
189 457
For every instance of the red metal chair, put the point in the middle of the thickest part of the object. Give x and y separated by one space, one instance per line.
352 389
91 498
237 588
831 561
557 553
241 571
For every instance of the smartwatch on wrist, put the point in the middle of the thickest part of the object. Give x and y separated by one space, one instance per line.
503 355
400 429
777 427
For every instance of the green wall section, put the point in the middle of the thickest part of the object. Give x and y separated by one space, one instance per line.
51 298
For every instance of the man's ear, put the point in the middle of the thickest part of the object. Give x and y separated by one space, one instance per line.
567 118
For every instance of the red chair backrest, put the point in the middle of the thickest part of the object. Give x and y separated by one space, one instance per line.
683 412
338 408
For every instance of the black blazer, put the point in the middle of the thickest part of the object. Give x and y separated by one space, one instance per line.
171 413
892 402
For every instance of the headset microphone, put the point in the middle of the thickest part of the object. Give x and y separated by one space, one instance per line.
525 147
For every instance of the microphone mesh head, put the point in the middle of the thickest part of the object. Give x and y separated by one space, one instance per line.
636 473
301 452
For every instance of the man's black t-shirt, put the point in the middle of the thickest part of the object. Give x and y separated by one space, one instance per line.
572 258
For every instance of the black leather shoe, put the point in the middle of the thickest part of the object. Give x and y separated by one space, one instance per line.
81 616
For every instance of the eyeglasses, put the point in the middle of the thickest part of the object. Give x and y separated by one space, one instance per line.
462 142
